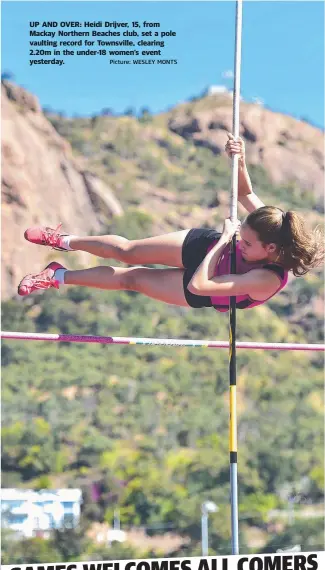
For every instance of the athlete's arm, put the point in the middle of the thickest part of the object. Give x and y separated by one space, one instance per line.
251 202
259 284
246 197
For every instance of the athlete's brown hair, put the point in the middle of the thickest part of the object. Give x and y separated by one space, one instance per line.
299 248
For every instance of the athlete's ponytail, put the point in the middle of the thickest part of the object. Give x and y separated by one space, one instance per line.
299 249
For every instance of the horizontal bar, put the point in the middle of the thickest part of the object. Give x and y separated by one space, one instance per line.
160 341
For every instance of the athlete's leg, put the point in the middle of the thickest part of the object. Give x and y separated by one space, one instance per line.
162 250
162 284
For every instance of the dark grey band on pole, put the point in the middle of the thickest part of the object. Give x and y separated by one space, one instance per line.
232 305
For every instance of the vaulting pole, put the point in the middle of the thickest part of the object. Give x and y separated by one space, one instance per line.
232 307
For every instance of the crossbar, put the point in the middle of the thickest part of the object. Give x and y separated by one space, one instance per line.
161 341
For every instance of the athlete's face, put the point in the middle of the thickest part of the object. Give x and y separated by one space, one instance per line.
252 249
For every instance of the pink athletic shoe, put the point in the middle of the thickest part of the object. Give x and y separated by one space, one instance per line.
43 280
43 235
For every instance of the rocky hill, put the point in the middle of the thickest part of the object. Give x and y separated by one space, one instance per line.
42 183
171 167
291 151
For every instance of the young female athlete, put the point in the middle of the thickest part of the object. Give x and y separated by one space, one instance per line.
272 243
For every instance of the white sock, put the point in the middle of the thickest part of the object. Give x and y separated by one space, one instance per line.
65 242
59 275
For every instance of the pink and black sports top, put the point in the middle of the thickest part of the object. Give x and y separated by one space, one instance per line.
243 301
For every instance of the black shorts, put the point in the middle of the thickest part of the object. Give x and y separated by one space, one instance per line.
194 250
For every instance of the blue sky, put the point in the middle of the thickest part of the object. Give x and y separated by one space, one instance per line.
282 56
